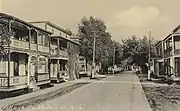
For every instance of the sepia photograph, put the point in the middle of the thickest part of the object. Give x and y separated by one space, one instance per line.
89 55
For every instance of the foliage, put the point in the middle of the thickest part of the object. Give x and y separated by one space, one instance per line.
88 30
137 50
131 50
5 35
104 52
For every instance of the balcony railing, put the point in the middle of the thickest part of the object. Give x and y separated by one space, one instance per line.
14 81
3 81
177 52
42 77
60 53
18 80
53 46
63 53
33 46
19 44
54 52
43 49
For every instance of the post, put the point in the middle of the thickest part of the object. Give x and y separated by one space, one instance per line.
114 59
172 60
9 59
58 61
9 55
29 59
93 63
149 60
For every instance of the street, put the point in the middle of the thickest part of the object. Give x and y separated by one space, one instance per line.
115 93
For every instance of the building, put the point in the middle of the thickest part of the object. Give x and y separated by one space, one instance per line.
168 53
84 67
64 52
158 62
25 66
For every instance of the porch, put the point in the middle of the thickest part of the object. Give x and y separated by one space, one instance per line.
58 70
22 71
13 83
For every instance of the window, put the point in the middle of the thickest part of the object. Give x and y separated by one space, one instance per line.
46 41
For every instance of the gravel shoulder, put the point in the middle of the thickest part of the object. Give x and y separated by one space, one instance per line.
161 98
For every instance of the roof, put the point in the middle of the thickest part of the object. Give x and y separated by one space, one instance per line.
158 43
22 21
60 29
54 26
176 29
173 31
67 39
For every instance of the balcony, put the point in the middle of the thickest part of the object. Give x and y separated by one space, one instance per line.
60 53
14 81
42 77
19 44
44 49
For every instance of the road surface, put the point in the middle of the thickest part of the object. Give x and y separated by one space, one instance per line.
115 93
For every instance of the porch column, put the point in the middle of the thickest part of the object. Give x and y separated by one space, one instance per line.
173 45
157 68
28 76
58 61
29 37
58 68
9 54
172 61
37 34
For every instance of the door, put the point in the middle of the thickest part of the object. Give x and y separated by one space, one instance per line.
32 68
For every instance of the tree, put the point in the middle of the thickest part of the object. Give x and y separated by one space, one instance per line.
136 51
94 28
5 35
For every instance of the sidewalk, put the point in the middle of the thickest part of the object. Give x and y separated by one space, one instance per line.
57 86
140 99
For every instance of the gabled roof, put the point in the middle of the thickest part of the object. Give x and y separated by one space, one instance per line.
3 15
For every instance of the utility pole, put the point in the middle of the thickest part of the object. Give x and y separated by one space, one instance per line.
114 59
93 63
149 60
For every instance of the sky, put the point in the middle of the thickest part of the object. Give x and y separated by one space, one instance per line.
123 18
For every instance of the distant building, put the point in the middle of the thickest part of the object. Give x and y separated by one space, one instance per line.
84 67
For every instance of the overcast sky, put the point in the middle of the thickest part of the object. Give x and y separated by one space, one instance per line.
122 17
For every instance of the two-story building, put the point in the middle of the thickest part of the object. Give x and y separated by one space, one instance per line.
168 53
25 66
64 52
